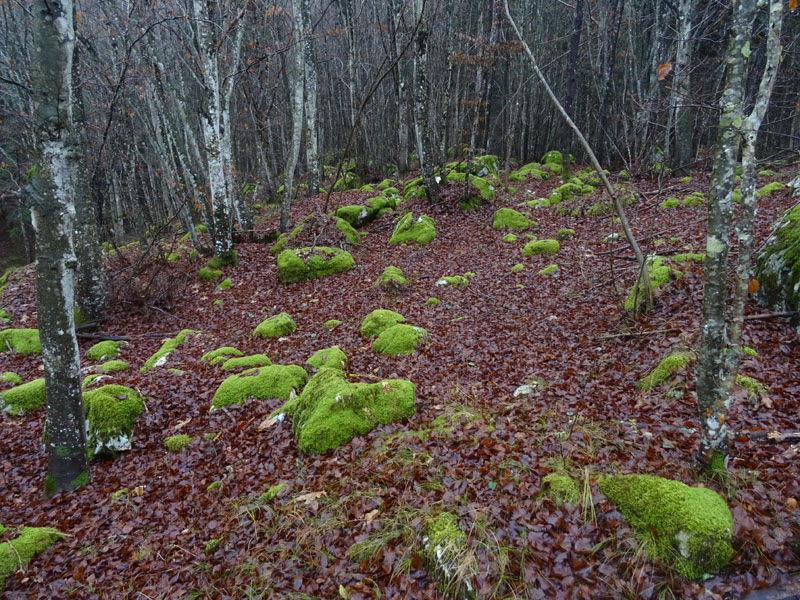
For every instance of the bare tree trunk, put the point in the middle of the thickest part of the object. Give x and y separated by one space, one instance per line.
401 86
65 438
679 101
422 106
296 78
312 133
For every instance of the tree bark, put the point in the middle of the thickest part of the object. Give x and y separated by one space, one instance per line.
422 106
312 129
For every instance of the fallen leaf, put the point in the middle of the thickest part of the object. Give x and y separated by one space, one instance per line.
664 70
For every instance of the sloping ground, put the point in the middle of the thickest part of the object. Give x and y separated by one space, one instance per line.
472 449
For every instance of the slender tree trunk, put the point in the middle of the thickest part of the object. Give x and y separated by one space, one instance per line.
54 210
422 106
400 86
569 98
312 148
296 78
682 157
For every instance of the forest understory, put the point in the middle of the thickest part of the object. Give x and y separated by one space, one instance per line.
349 523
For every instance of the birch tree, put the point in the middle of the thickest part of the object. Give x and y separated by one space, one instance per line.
54 212
422 105
720 343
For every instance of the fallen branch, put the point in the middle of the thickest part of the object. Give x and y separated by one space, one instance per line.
763 316
611 336
774 436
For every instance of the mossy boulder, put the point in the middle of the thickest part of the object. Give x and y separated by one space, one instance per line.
356 215
114 366
379 320
668 203
331 411
328 358
553 161
391 280
421 230
510 238
246 362
445 557
105 350
688 527
529 170
111 412
541 247
214 357
432 302
659 274
508 218
400 339
309 263
24 398
777 267
561 489
275 326
226 259
16 553
176 443
348 181
670 365
274 381
694 199
160 358
331 323
517 268
569 191
21 341
769 189
225 284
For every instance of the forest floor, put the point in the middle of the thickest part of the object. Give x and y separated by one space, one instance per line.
147 525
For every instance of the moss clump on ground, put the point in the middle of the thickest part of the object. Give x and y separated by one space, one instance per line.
689 257
421 230
379 320
459 281
207 274
111 411
275 326
561 489
328 358
275 381
160 358
483 186
509 237
755 389
563 234
23 398
541 247
517 268
331 411
400 339
689 527
778 266
665 369
553 161
226 259
309 263
769 188
21 341
549 270
659 274
17 553
392 279
10 377
694 199
113 366
220 355
668 203
445 556
433 302
529 170
356 215
176 443
330 324
105 350
508 218
246 362
225 284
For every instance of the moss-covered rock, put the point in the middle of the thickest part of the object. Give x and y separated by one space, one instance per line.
348 181
275 326
246 362
445 556
317 230
275 381
694 199
105 350
400 339
328 358
17 553
331 411
510 238
421 230
777 267
21 341
689 257
356 215
379 320
10 377
433 302
176 443
549 270
331 323
769 189
207 274
553 161
220 355
111 412
226 259
309 263
659 274
689 527
508 218
568 191
225 284
391 280
671 202
561 489
113 366
563 234
458 281
529 170
541 247
24 398
517 268
160 358
665 369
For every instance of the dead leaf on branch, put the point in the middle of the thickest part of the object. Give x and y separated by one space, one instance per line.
664 70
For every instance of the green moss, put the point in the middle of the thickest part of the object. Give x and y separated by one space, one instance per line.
391 278
269 495
694 199
220 355
225 259
483 186
690 527
470 203
173 257
331 411
421 230
349 233
225 284
400 339
21 341
668 203
214 486
309 263
749 351
599 209
736 196
379 320
443 553
80 480
328 358
104 350
569 191
17 553
755 389
159 358
778 265
659 274
356 215
459 281
246 362
330 324
529 170
207 274
508 218
386 183
112 366
549 270
348 181
23 398
10 377
769 188
509 237
665 369
275 326
563 234
517 267
5 316
553 161
90 379
176 443
686 179
561 489
275 381
689 257
541 247
111 411
432 302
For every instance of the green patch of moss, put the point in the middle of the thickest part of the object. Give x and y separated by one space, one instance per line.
553 161
10 377
508 218
309 263
569 191
246 362
348 181
225 284
173 257
356 215
599 209
624 175
104 350
444 555
482 185
517 268
549 270
331 323
689 527
176 443
207 274
328 358
275 326
391 279
111 411
778 265
21 341
749 351
348 231
541 247
510 238
220 355
226 259
331 411
686 179
113 366
561 489
659 274
214 486
668 203
769 188
160 358
754 388
529 170
432 302
5 316
563 234
470 203
665 369
421 230
23 398
17 553
459 281
275 381
379 320
689 257
694 199
400 339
